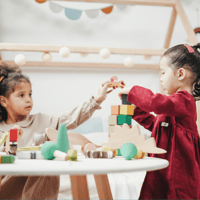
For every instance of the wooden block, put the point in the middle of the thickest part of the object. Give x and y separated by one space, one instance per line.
113 120
115 110
124 119
111 129
124 100
126 109
13 135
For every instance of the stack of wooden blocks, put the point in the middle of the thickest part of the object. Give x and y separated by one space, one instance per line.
121 114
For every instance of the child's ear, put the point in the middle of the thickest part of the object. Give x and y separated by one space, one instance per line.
3 101
181 74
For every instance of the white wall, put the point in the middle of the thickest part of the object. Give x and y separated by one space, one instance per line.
56 90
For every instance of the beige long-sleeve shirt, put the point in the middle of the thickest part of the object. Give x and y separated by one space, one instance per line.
43 187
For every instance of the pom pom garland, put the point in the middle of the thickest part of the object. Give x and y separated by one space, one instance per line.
46 57
64 52
20 59
129 62
105 53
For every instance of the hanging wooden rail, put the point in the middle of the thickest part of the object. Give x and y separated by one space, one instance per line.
169 3
86 65
94 50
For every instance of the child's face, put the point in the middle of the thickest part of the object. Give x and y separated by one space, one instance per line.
20 103
169 79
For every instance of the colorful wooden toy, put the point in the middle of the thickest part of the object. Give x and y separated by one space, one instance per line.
139 154
126 109
128 150
126 134
99 154
113 119
114 83
88 147
62 141
115 109
7 159
72 155
49 151
124 100
115 151
124 119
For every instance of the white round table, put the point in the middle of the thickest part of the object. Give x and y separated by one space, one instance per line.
78 170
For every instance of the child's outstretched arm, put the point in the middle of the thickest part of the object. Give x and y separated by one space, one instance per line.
79 114
173 105
144 118
102 92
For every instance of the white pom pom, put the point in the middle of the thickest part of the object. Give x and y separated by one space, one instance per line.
129 62
64 52
20 59
83 55
46 57
105 53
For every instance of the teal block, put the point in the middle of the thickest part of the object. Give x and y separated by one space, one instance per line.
62 141
122 119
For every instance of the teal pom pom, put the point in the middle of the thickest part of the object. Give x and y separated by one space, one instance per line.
128 150
48 149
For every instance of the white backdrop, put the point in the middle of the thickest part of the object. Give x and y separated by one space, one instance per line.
56 90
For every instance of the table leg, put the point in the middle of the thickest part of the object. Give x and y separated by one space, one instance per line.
103 186
79 187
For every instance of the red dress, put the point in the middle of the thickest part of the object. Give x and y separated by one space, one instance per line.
178 136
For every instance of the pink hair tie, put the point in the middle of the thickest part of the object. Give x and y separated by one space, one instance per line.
190 49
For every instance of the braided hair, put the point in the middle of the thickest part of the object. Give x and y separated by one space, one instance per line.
10 77
181 57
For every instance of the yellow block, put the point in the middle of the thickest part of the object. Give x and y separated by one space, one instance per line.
126 109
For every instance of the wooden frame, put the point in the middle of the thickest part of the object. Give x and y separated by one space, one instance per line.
177 10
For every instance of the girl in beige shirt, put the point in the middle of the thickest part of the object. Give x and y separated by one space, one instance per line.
15 105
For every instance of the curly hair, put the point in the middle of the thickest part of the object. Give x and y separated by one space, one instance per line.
180 57
11 77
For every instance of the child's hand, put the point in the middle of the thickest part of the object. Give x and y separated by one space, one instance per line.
124 91
20 132
102 92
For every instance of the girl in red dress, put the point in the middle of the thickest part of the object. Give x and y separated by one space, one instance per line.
178 135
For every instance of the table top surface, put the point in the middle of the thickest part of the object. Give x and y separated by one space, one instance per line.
81 166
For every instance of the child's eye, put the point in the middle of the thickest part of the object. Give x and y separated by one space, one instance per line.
21 95
163 72
30 94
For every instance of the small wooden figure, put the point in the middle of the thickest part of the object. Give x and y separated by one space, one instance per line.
12 141
114 83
